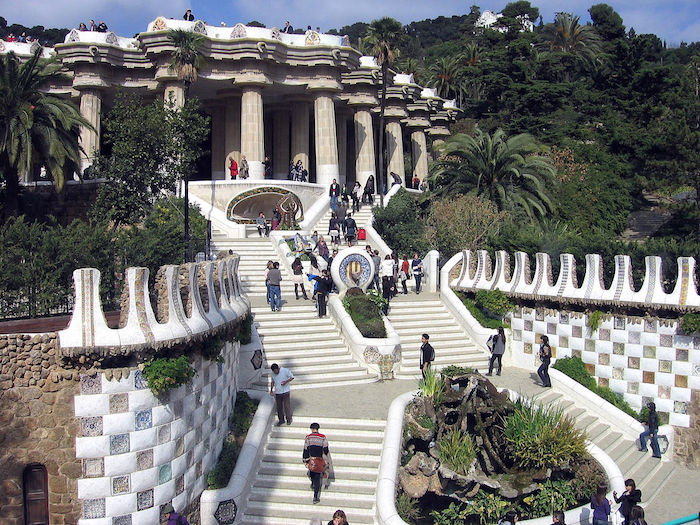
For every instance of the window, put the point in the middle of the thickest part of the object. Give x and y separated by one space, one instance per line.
36 495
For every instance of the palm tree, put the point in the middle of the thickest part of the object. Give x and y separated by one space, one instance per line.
472 54
504 170
187 56
568 37
36 128
445 72
382 36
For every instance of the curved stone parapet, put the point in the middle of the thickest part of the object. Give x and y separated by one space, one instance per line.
479 273
225 303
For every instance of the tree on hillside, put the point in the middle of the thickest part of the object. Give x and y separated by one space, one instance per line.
446 79
607 22
570 39
36 128
383 36
506 171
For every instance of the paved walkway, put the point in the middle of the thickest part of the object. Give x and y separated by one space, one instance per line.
371 401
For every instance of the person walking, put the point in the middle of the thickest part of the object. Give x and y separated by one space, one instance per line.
243 168
498 348
269 267
274 277
405 273
233 168
334 194
417 270
350 229
345 195
368 194
545 355
356 195
323 250
281 378
298 278
334 229
427 354
323 290
601 506
261 223
652 432
628 499
173 517
386 271
315 447
267 166
339 518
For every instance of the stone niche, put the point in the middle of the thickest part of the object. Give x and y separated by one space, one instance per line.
245 207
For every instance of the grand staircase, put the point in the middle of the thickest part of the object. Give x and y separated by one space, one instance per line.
281 494
412 315
362 217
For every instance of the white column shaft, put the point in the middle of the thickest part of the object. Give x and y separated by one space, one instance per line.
420 153
326 139
280 150
90 109
394 144
252 131
365 164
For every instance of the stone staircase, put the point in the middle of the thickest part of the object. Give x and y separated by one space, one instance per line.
281 494
412 315
649 474
361 218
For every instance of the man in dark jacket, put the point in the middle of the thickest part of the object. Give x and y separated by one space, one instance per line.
651 431
325 284
315 446
173 517
427 354
350 229
628 499
334 193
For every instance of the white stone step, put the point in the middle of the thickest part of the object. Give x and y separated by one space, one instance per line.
342 447
289 511
294 482
330 497
359 375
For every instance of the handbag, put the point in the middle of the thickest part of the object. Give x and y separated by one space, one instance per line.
317 465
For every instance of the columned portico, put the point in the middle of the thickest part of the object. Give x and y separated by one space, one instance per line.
365 164
341 120
300 132
232 140
90 109
280 148
394 144
326 139
419 149
219 162
252 131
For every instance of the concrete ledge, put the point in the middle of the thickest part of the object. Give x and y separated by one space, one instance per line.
243 474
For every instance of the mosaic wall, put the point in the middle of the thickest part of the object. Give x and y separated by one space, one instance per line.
139 451
642 359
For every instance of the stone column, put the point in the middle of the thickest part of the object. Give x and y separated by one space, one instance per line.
232 140
326 139
420 153
90 109
394 146
300 132
342 138
252 132
219 164
280 141
175 91
365 164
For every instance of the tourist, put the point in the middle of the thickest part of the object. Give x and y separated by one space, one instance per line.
637 516
188 16
497 345
93 25
315 447
22 38
356 195
369 190
276 218
323 290
323 250
509 519
269 267
350 229
339 518
233 168
281 377
314 238
558 517
341 213
288 28
545 355
386 271
274 277
267 165
651 431
82 27
377 260
628 499
417 270
395 179
334 230
173 517
601 506
297 278
404 273
415 182
243 168
102 27
261 223
334 193
345 195
423 185
427 354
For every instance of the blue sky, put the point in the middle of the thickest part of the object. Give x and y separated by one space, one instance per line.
672 20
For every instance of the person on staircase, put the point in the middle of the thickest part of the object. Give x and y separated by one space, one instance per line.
386 271
405 273
417 271
261 223
323 250
339 518
298 278
356 195
377 260
497 345
345 195
351 229
334 194
628 499
323 290
427 354
281 378
368 194
545 356
334 229
315 447
269 267
651 432
341 213
274 277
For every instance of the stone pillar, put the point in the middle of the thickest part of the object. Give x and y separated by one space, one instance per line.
394 146
252 132
175 91
90 109
365 164
300 132
280 141
219 164
342 139
326 139
420 153
232 140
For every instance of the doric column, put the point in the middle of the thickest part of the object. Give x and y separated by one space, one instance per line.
232 141
394 146
300 132
326 140
175 92
342 139
365 164
90 109
219 164
252 131
280 148
420 153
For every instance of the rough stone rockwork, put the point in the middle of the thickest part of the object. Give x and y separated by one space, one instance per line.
687 443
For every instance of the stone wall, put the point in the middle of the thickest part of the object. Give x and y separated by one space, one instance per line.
687 440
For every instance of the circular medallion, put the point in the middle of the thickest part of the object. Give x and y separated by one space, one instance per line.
352 268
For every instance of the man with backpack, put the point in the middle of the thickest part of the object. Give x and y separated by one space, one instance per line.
427 354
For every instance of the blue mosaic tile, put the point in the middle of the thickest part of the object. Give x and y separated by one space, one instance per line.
91 426
144 500
164 474
120 485
122 520
90 384
93 508
119 444
140 382
143 419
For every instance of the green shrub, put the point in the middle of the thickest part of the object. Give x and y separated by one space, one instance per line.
589 475
376 297
575 368
245 334
166 373
455 514
366 315
457 451
553 495
540 437
432 386
426 422
494 301
243 412
220 475
489 507
454 370
616 399
481 318
407 507
400 226
594 320
690 323
211 348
